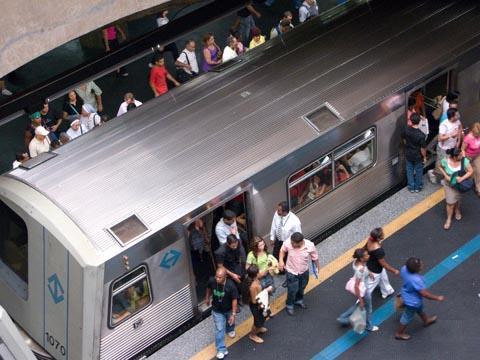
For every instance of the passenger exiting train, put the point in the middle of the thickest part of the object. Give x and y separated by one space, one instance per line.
223 295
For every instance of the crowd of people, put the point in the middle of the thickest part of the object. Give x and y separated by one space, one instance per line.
457 152
83 107
249 278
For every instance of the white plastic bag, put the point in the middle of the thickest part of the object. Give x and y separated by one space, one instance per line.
358 320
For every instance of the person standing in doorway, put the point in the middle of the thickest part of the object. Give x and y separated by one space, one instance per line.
223 295
413 292
284 224
301 252
415 153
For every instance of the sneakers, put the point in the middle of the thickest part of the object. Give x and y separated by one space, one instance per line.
390 293
373 328
6 92
220 355
301 304
432 176
231 334
290 311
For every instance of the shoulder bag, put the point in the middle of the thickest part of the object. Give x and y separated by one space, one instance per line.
467 184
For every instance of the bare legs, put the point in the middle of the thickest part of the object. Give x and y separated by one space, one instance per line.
452 209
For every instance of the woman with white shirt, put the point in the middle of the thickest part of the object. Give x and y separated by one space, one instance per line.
230 52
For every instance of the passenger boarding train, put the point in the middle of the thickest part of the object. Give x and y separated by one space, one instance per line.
94 242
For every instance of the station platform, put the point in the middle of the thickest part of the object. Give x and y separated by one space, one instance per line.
451 260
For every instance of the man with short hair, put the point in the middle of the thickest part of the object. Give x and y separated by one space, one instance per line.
284 224
415 153
227 225
159 76
50 117
308 10
231 256
283 27
40 142
129 98
301 252
186 63
450 135
223 295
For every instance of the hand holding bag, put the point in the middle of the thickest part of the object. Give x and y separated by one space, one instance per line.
466 184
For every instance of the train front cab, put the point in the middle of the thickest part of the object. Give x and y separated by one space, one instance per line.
42 286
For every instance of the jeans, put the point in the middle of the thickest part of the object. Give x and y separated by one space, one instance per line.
246 25
414 175
296 285
409 313
344 317
220 321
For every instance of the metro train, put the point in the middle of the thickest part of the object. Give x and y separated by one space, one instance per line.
95 259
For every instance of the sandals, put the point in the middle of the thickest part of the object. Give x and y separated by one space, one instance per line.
458 216
447 224
402 337
255 339
431 320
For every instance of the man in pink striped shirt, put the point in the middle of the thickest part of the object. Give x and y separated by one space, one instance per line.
300 253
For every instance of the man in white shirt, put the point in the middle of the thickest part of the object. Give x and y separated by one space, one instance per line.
450 134
308 9
360 159
40 142
76 129
129 98
186 63
226 226
284 224
91 94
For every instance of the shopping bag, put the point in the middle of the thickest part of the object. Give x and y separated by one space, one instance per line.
358 320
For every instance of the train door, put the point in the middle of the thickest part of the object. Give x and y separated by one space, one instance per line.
426 100
203 240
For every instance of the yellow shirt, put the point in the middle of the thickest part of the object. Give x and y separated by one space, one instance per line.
254 43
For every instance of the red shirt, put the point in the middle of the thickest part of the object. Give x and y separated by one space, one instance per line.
158 77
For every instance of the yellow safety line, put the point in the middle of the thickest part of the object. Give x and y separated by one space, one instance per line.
330 269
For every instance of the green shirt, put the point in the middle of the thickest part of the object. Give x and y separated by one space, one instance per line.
261 261
450 171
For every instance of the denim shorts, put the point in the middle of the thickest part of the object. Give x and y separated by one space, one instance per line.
409 313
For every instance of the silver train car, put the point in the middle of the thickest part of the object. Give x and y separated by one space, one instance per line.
95 253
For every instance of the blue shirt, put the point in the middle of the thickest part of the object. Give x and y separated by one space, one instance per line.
412 285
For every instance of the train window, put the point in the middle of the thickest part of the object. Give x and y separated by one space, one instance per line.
355 156
130 294
13 247
128 229
310 183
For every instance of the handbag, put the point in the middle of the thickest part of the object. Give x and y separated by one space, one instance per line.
467 184
358 320
182 75
350 287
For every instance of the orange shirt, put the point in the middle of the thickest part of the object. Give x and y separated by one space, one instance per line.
158 77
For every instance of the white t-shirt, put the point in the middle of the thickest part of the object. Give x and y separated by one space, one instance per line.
192 59
72 134
37 147
161 21
284 226
222 230
359 160
123 107
228 54
450 128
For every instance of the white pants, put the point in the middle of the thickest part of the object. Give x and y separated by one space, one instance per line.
381 279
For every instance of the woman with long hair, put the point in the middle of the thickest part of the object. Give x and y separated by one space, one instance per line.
450 168
361 274
471 147
259 257
377 265
212 55
251 288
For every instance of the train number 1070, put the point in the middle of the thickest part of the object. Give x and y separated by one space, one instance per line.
55 344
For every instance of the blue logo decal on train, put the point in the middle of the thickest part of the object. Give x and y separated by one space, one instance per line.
56 289
170 259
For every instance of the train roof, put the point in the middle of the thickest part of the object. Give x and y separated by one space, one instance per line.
177 152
